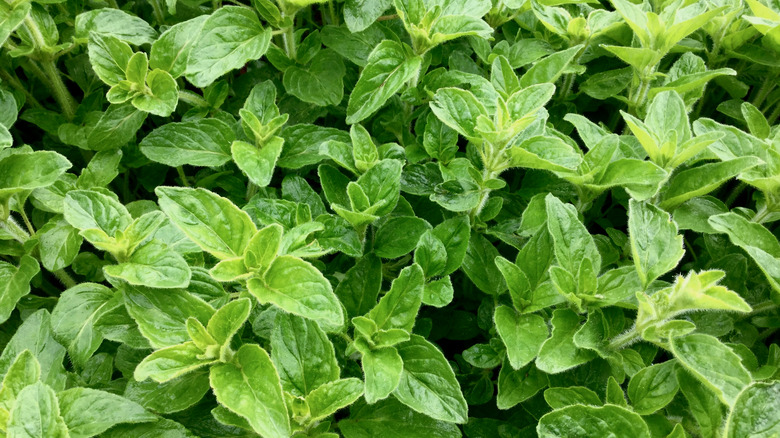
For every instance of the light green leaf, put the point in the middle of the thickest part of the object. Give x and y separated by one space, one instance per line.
24 371
73 319
171 362
171 52
162 315
517 386
15 283
550 68
756 240
359 288
169 397
578 421
36 414
752 413
545 153
653 387
559 353
204 142
713 363
303 354
523 335
89 412
230 38
428 384
655 245
109 57
257 164
321 83
389 66
572 240
480 266
382 368
298 287
458 109
398 236
333 396
35 334
28 171
116 127
152 264
162 94
250 387
701 180
398 308
391 419
211 221
117 23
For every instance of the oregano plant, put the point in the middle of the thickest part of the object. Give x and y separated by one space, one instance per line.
389 218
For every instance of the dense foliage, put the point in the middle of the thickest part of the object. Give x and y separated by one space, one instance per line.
389 218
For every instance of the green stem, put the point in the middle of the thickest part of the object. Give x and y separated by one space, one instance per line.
17 84
51 74
640 95
773 117
18 233
192 98
27 222
334 18
624 340
64 278
735 193
289 42
761 214
159 15
182 176
763 92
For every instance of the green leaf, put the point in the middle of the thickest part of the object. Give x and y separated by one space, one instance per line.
162 315
701 180
230 38
204 142
454 234
382 183
211 221
321 83
116 127
299 288
171 362
545 153
561 397
171 52
572 241
28 171
589 421
360 287
35 334
428 384
398 236
73 319
713 363
36 414
523 335
162 94
517 386
228 320
655 245
559 353
303 354
15 283
117 23
109 57
169 397
458 109
12 19
756 240
88 210
550 68
250 387
89 412
391 419
153 264
382 368
389 66
751 415
430 254
24 371
257 164
703 403
653 387
480 266
398 308
330 397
